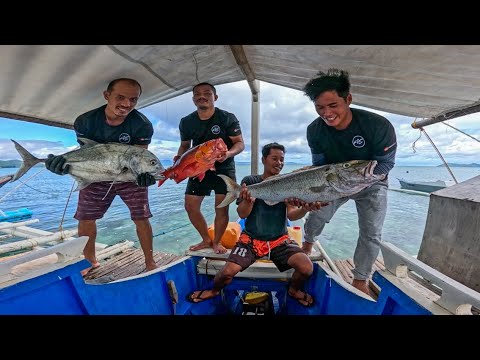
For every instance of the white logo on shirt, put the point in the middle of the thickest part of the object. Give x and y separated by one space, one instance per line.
215 129
124 138
358 141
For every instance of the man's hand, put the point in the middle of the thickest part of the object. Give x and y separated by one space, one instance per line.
224 155
312 206
145 179
245 194
56 164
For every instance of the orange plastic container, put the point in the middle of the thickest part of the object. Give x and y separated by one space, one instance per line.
230 236
295 233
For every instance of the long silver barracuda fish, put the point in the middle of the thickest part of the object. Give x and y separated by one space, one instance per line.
94 162
313 183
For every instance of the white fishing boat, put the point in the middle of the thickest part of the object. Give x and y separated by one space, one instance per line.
424 186
400 79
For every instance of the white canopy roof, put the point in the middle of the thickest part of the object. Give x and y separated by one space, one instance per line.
53 84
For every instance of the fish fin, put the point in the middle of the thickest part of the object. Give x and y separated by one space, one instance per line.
81 184
271 203
233 190
86 141
164 176
201 176
28 161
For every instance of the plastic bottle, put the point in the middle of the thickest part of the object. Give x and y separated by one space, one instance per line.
295 233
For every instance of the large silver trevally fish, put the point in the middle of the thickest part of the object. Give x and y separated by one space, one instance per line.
312 183
94 162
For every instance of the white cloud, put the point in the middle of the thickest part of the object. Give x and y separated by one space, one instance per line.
284 117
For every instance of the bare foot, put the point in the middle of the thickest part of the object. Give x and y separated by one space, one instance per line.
361 285
150 267
95 265
307 247
200 246
219 249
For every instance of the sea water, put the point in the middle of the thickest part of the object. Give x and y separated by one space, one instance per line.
53 201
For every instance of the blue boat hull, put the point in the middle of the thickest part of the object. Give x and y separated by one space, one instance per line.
64 292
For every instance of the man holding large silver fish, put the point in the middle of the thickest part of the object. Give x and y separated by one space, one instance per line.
207 123
265 233
115 122
341 134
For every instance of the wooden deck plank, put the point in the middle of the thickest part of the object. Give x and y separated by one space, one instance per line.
129 263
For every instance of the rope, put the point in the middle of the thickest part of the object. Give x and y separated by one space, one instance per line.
60 227
470 136
439 154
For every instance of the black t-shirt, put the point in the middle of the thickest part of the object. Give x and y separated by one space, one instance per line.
135 130
265 222
221 125
369 136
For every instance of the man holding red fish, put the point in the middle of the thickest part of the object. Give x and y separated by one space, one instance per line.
204 124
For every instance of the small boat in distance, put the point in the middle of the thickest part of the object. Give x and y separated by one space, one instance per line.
424 186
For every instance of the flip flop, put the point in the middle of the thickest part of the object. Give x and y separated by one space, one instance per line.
303 298
191 298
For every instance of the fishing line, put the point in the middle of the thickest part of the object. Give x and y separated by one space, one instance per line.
22 183
180 226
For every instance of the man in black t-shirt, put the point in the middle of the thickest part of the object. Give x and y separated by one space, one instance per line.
207 123
342 134
118 122
265 234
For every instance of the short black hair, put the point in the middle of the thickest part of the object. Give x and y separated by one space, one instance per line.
266 148
206 83
333 80
112 83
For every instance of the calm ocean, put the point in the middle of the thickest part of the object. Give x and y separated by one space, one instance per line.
48 196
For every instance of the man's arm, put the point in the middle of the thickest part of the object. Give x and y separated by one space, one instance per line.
245 204
237 147
184 146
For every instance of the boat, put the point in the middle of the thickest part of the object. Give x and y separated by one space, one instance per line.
16 215
401 284
5 179
423 186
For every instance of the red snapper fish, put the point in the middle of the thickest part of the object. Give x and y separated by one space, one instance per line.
195 161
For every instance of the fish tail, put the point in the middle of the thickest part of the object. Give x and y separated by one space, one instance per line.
28 161
160 182
233 190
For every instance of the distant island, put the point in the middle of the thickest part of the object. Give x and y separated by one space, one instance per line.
460 165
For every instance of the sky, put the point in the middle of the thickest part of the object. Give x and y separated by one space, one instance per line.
284 117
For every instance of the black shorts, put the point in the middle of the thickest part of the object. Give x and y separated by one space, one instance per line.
210 182
248 250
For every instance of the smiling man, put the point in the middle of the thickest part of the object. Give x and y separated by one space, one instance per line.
119 122
341 134
206 123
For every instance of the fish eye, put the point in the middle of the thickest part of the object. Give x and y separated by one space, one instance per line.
153 162
346 165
